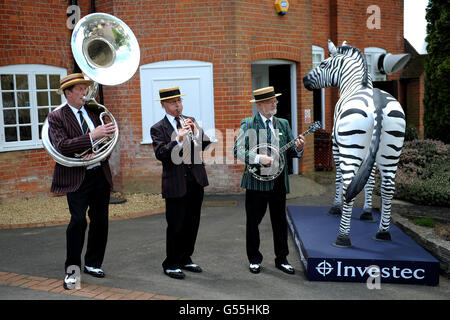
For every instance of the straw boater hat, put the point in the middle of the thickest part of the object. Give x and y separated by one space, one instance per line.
169 93
264 94
71 80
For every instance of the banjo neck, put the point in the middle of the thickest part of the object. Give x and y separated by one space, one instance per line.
316 125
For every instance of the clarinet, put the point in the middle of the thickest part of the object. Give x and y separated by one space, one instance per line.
182 120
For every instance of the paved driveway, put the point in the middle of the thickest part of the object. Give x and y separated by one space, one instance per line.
136 248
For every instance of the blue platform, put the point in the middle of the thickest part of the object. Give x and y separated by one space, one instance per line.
401 260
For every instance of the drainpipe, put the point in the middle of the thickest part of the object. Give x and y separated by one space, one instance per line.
100 86
76 68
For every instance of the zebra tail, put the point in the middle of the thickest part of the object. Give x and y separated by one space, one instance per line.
360 179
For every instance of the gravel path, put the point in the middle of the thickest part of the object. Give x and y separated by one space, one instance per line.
55 208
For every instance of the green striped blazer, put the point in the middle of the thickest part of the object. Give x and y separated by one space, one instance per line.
249 135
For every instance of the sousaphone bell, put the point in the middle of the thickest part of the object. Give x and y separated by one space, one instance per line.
107 52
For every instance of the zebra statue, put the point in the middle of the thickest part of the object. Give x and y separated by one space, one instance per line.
335 210
368 130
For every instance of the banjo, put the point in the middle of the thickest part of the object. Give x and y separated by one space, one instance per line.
271 172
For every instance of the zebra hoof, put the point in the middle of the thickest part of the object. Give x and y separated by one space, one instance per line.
367 217
342 242
335 211
383 236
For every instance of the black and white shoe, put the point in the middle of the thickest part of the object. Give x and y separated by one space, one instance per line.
285 267
255 267
193 267
95 272
69 281
174 273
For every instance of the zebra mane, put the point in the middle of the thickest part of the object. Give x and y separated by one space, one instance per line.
358 55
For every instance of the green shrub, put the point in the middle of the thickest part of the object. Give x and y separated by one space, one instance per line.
424 222
411 133
436 118
423 174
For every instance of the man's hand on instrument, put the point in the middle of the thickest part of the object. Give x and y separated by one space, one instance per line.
183 132
191 124
106 130
300 143
89 156
265 160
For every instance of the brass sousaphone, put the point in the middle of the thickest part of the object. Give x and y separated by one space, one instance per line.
107 52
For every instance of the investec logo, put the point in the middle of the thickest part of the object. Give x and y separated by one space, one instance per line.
325 269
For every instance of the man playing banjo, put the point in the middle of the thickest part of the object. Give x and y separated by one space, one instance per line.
264 127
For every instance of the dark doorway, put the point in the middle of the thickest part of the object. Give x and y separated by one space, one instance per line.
317 105
280 79
388 86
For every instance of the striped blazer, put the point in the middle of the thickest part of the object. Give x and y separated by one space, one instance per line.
167 150
67 138
245 141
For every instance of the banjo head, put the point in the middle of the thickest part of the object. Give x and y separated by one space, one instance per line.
267 173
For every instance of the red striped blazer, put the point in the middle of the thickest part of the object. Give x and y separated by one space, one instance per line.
67 138
173 175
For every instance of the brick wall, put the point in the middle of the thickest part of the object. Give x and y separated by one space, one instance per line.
31 33
340 20
414 89
229 34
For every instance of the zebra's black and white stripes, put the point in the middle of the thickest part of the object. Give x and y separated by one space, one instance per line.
368 128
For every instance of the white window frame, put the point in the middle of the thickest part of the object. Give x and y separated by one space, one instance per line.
320 51
151 109
31 70
372 55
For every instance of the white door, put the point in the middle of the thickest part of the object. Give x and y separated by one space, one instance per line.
195 79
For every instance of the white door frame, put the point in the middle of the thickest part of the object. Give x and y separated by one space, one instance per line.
320 51
195 79
293 82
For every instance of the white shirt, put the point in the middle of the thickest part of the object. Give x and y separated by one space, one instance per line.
89 123
264 119
173 122
85 116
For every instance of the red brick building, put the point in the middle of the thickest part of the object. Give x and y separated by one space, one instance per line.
412 82
216 51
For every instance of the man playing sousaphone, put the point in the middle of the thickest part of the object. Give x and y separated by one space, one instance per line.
260 193
73 129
